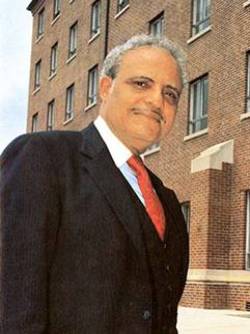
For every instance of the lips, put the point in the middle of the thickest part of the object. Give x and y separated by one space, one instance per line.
151 113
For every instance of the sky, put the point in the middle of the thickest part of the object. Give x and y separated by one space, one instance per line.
15 46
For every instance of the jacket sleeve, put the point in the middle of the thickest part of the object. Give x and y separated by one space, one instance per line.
29 206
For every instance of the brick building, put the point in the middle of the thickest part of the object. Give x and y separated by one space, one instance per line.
206 157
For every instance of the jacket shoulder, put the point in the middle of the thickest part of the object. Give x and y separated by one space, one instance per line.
60 140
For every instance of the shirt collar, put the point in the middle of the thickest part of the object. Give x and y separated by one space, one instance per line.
119 152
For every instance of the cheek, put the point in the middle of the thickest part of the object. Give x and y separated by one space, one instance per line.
125 96
119 102
170 118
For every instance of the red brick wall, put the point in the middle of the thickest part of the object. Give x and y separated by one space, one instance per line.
199 227
216 296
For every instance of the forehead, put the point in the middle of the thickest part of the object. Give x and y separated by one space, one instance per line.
151 61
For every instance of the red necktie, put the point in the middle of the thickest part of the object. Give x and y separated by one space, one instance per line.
152 202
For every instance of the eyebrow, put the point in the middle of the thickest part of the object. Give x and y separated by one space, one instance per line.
141 77
151 80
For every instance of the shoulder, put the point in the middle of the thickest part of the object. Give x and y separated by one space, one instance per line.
42 141
40 151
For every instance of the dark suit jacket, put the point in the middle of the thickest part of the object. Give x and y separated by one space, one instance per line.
72 256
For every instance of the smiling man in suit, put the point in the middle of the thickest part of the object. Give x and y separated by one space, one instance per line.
91 240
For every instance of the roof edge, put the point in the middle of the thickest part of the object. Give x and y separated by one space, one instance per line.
32 5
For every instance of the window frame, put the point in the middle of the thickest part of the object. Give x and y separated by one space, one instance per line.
248 82
37 77
121 4
95 20
198 25
40 23
186 214
154 148
56 8
92 85
72 48
198 114
34 123
69 104
51 115
154 21
53 59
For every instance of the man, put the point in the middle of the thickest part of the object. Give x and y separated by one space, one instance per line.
85 249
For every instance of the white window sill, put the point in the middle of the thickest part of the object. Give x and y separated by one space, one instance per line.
71 58
245 115
36 90
70 1
55 19
246 4
52 76
200 34
94 37
68 121
151 151
218 276
90 106
121 12
196 134
39 38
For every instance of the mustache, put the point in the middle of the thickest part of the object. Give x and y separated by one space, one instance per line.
152 112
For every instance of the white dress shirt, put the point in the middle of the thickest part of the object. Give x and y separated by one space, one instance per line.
119 153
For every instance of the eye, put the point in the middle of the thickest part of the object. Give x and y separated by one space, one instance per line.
171 96
140 83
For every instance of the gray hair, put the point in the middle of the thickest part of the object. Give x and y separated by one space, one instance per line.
113 59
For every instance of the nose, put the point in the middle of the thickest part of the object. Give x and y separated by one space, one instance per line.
155 98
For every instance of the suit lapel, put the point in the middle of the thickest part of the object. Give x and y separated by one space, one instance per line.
98 162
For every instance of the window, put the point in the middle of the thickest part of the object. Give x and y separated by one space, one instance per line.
40 23
248 230
72 40
92 85
156 26
201 15
56 8
248 83
53 59
69 102
95 18
34 125
185 208
121 4
51 116
152 149
37 81
198 105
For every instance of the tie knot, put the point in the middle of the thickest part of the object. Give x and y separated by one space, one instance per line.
136 164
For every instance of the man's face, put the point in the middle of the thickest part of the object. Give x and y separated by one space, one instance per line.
140 104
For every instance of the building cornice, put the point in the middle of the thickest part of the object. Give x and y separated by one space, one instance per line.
34 4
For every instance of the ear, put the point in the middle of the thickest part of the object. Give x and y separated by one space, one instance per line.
105 84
